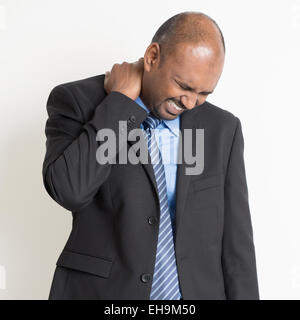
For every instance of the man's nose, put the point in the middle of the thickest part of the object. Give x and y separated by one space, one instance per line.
190 100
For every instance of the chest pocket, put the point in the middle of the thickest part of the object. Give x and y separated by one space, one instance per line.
206 223
207 182
207 191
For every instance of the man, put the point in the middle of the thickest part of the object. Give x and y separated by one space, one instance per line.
150 230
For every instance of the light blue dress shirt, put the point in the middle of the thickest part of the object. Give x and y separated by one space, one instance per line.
167 138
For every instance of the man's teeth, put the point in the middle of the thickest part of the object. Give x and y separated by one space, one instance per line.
175 106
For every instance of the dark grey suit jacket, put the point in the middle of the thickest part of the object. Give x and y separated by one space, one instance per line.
110 252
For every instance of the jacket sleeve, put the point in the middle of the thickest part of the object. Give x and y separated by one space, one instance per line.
71 173
238 252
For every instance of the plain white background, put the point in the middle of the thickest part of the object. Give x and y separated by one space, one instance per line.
44 43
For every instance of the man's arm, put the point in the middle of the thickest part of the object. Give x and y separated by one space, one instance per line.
238 252
71 173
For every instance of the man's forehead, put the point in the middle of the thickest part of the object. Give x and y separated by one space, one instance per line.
201 51
187 54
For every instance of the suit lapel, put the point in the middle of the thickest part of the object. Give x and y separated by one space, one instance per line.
147 166
183 180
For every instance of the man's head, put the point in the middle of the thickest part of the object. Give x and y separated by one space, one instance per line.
182 64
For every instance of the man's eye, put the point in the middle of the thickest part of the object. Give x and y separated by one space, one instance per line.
183 87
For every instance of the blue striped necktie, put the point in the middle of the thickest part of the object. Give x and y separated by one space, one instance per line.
165 284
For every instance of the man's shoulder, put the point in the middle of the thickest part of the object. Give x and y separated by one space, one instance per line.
88 81
91 88
219 122
217 116
80 97
218 111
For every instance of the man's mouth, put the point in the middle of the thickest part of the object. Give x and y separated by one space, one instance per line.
173 108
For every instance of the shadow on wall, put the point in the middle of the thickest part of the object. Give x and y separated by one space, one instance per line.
33 228
2 278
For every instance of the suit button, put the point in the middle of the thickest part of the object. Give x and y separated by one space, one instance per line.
152 220
132 118
146 277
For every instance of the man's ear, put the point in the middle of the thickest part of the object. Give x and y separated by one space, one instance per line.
151 57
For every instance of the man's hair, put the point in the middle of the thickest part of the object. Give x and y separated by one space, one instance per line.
178 29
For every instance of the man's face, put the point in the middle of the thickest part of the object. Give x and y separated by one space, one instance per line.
186 77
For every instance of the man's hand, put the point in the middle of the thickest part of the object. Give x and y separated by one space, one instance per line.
125 78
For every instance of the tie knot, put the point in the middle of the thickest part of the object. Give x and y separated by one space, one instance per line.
151 121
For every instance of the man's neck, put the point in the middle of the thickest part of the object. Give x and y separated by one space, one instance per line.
144 99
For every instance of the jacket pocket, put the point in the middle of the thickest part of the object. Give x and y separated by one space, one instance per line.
207 182
82 262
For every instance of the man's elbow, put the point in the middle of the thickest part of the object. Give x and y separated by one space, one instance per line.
65 194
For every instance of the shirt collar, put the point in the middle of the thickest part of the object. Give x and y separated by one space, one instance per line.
172 125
